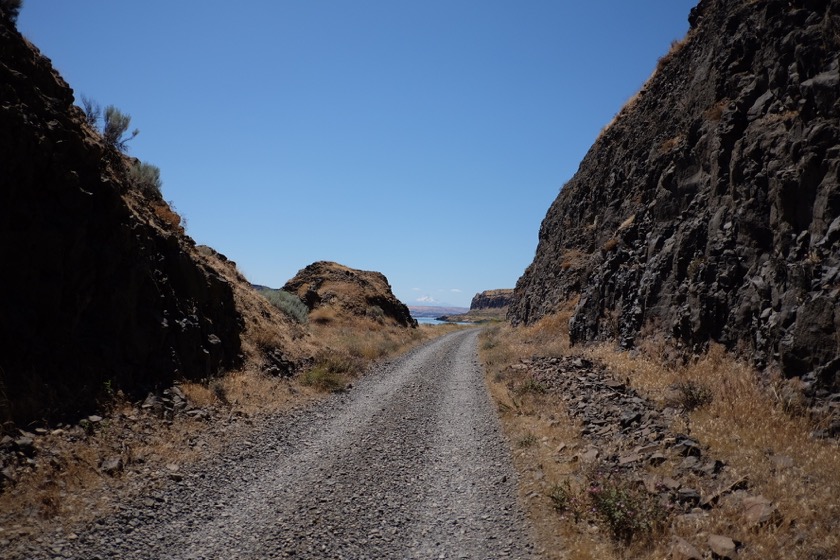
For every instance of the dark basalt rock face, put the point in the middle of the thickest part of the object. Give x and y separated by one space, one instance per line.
97 293
491 299
710 209
351 293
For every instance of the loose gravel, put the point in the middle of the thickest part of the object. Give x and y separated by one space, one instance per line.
409 463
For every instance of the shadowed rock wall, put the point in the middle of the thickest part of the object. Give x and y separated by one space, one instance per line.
710 209
97 293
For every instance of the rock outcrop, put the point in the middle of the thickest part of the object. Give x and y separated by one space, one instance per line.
101 289
709 210
347 294
491 299
486 306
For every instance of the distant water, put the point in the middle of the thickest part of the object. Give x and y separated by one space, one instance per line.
429 321
433 321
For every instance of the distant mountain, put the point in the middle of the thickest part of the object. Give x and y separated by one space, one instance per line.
434 311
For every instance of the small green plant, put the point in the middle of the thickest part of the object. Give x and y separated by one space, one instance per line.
629 511
145 176
692 395
288 303
531 385
376 313
324 380
219 391
11 9
88 426
527 440
565 500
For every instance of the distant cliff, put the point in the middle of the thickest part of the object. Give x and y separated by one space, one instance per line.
490 305
709 210
492 299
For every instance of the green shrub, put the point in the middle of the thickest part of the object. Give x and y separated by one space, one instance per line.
531 385
566 501
115 127
11 9
324 380
288 303
145 176
628 510
527 440
376 313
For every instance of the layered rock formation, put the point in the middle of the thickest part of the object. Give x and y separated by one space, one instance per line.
101 289
348 294
491 299
489 305
710 209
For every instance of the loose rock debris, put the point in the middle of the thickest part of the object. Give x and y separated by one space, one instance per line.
632 436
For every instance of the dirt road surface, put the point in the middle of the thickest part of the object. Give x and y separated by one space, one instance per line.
409 463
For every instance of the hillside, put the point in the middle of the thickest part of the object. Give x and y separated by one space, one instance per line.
103 291
709 210
334 292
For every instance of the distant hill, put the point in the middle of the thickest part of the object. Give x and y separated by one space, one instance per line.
434 312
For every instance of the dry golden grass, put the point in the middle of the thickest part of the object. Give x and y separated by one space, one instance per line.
68 489
749 429
165 214
670 143
573 259
715 112
609 245
745 425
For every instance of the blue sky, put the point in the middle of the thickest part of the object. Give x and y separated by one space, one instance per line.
423 139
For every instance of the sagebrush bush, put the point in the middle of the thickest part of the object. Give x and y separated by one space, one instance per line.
92 110
530 385
288 303
115 128
693 395
145 176
628 510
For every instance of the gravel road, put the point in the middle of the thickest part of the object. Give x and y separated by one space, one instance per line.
409 463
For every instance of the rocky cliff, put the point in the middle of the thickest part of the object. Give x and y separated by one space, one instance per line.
709 210
491 299
101 289
346 294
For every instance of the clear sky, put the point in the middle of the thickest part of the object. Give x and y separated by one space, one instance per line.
424 139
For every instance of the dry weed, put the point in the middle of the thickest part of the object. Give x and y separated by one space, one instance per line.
736 418
750 431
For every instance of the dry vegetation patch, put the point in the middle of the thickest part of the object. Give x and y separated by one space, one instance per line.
63 477
736 460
